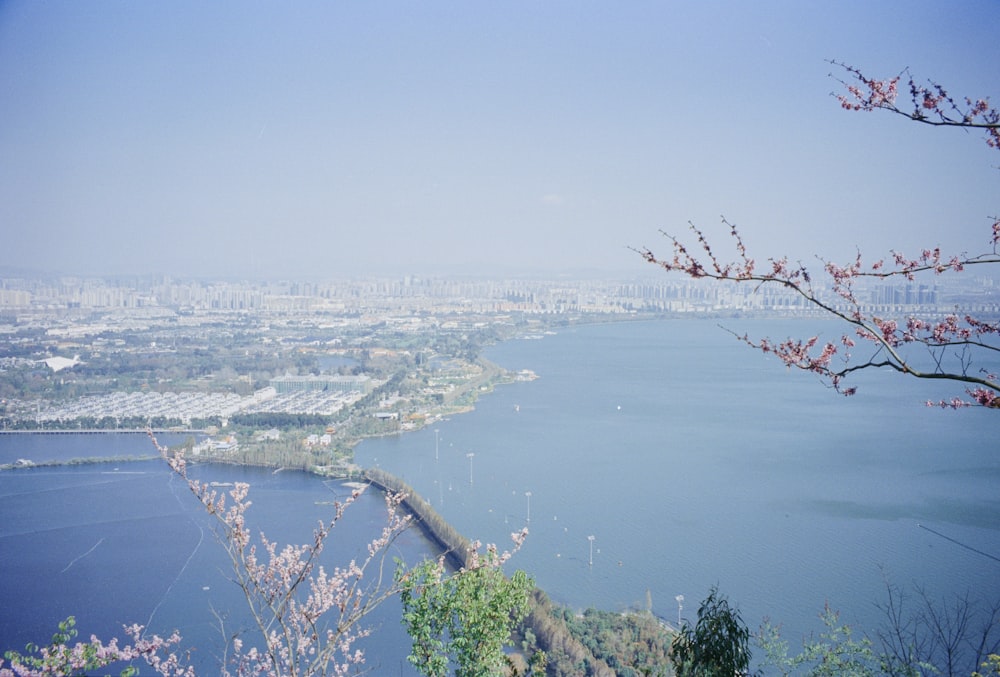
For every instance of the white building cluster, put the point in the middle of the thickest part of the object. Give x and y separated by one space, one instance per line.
148 405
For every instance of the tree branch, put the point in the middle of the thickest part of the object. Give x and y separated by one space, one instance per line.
887 336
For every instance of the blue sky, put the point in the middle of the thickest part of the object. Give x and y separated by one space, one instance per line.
259 139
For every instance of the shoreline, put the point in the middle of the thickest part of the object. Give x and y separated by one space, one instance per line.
430 522
27 464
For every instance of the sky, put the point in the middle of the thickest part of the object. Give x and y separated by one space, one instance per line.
323 139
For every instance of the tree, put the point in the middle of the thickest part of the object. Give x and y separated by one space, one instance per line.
949 637
835 653
718 644
59 658
933 637
932 105
307 618
991 667
466 618
957 343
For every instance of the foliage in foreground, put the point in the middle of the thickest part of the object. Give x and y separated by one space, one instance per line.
918 637
83 658
718 644
990 667
466 618
307 618
835 652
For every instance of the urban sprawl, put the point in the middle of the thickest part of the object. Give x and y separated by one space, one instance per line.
285 362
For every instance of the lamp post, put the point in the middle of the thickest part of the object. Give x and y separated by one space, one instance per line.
528 495
436 444
591 539
680 607
469 456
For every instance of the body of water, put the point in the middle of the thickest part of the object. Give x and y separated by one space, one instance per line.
65 446
690 459
121 543
694 460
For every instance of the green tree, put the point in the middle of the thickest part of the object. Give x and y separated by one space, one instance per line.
834 653
465 618
718 644
991 667
945 638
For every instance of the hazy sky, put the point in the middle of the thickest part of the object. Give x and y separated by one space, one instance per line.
274 139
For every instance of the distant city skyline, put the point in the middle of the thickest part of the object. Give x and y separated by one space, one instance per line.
261 141
23 300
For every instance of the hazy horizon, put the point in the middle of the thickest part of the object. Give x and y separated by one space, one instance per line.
262 141
442 272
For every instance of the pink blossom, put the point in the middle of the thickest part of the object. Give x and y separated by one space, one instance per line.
887 333
291 598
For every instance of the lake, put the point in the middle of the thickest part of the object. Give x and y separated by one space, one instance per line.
691 459
694 460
